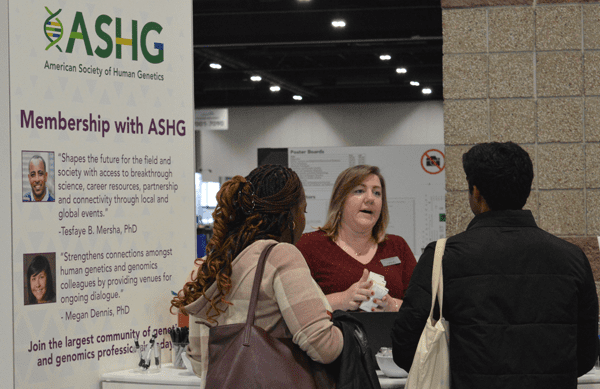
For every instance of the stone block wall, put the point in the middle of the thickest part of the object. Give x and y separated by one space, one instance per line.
528 72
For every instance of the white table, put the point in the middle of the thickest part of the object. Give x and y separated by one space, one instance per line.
590 380
390 383
171 378
167 378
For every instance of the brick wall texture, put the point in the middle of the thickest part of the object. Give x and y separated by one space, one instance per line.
528 72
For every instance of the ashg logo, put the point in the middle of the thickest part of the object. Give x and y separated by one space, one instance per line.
53 29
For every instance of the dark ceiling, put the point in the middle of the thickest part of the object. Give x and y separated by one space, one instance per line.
292 44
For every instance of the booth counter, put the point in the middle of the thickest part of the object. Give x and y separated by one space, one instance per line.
167 378
171 378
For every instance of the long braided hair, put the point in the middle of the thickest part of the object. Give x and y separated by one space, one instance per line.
256 207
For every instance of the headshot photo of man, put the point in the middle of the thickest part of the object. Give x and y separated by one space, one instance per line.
38 186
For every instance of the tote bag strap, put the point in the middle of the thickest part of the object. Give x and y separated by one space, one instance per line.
437 278
260 269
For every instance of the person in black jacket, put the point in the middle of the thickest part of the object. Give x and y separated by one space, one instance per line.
521 303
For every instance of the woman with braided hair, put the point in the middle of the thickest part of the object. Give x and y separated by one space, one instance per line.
265 207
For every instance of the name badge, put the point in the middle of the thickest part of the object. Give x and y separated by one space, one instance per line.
391 261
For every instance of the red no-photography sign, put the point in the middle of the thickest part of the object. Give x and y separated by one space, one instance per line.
433 161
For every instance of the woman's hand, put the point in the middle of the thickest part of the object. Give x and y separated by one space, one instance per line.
351 298
387 304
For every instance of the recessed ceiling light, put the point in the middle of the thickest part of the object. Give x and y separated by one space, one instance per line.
426 91
338 23
215 66
297 97
256 78
401 70
275 88
414 83
385 57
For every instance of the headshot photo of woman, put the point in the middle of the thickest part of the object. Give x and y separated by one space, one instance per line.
39 280
353 242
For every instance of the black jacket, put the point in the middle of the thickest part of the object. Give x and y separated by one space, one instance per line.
521 304
355 368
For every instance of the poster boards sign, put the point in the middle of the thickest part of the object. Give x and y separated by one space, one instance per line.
102 182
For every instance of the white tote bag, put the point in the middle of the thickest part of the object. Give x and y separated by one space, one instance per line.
431 365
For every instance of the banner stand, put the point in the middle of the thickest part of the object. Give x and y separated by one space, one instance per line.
97 223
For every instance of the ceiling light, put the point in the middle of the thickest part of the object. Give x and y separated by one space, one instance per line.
426 91
297 97
414 83
385 57
338 23
215 66
256 78
275 88
401 70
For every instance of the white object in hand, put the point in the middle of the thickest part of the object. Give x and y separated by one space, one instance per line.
379 290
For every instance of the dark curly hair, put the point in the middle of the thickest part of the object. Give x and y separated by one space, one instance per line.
256 207
503 173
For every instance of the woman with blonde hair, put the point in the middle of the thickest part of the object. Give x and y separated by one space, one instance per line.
252 213
353 242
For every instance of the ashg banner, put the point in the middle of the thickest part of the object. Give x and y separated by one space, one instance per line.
102 178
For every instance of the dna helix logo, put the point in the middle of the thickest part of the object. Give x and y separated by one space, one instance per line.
109 44
53 28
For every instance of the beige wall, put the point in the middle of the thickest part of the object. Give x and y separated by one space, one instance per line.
528 72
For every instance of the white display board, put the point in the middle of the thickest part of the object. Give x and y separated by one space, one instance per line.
102 92
415 185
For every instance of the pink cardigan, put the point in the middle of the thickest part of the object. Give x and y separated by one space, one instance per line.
290 305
